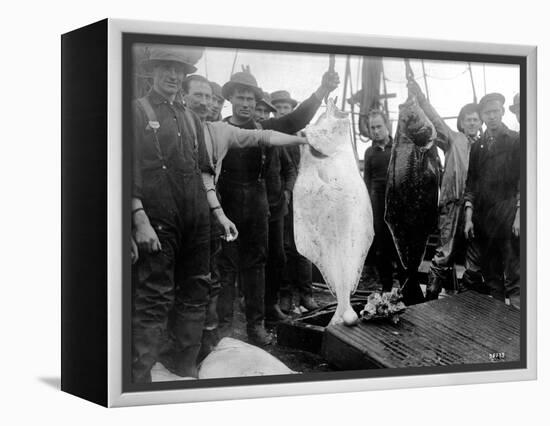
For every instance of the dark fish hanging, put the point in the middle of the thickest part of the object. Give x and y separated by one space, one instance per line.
412 192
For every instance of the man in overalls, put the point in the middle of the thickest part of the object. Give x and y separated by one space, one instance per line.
170 217
244 198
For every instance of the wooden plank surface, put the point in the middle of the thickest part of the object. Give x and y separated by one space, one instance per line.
461 329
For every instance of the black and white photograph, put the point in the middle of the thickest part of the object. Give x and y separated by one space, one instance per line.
284 213
300 214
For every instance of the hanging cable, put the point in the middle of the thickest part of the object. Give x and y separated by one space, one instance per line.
425 81
472 80
205 65
484 81
234 62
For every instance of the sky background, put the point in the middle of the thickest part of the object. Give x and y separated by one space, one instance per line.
449 83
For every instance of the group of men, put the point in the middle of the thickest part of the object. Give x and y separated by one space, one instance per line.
479 202
210 210
212 207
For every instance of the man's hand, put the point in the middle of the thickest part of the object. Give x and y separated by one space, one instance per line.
230 230
515 225
469 229
134 251
330 81
146 238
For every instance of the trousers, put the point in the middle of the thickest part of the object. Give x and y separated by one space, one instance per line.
297 273
247 206
385 251
276 261
171 292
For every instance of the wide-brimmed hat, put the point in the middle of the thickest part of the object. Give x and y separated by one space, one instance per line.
216 90
283 96
514 108
491 97
242 79
188 56
266 100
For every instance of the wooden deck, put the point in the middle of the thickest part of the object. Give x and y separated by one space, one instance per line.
467 328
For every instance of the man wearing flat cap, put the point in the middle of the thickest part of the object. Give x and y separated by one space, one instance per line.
492 201
264 108
170 217
243 183
217 103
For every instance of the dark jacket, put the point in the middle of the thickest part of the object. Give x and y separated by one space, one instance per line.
280 176
245 164
492 186
376 164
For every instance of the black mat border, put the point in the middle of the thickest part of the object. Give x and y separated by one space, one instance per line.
128 39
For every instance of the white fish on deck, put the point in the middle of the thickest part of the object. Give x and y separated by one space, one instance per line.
159 373
234 358
333 224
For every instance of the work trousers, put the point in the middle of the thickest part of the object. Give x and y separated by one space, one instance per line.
442 272
246 205
501 268
210 336
386 253
297 274
171 289
473 278
500 257
276 260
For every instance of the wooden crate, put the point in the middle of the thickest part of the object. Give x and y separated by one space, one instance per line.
306 331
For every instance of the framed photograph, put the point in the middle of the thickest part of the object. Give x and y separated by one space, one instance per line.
253 213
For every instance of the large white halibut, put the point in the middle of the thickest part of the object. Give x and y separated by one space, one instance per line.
333 224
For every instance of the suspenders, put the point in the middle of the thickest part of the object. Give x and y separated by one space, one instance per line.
263 155
154 124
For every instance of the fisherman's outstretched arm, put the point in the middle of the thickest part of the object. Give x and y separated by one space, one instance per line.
235 137
444 132
302 115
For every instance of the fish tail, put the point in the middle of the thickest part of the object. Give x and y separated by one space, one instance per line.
411 290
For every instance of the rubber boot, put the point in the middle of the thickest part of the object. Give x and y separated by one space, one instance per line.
224 306
210 338
210 334
258 335
515 301
473 280
308 302
434 286
188 329
253 287
145 355
411 291
285 303
273 313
